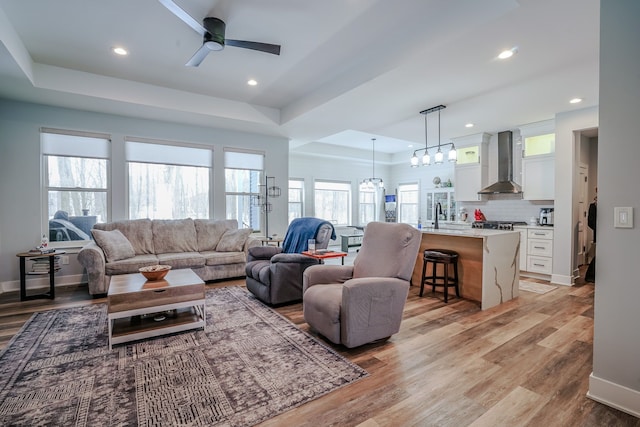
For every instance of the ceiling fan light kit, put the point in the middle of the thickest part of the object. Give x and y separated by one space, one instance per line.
212 31
452 156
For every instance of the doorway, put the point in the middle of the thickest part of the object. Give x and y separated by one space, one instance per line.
584 194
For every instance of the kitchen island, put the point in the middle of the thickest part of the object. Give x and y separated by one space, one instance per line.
488 266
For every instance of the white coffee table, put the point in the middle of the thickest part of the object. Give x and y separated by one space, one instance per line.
132 300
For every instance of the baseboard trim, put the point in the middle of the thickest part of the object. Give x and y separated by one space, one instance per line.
614 395
561 279
42 282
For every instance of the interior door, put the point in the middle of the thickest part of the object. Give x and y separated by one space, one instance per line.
583 207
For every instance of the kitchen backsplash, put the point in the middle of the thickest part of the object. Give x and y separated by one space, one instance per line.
506 208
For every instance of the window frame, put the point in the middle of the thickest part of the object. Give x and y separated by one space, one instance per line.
361 205
347 190
402 204
151 160
253 197
45 179
300 204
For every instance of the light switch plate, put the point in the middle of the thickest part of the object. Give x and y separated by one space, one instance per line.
623 217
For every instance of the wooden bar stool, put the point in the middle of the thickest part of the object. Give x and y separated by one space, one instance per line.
446 258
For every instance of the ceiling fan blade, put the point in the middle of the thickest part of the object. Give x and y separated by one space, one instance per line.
184 16
199 56
262 47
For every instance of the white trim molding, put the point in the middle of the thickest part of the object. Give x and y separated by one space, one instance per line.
561 279
614 395
42 282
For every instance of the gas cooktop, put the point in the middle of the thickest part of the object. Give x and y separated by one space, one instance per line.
497 225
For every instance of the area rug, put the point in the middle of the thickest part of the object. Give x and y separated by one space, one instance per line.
538 288
248 365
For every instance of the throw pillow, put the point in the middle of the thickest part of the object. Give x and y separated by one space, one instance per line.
233 240
114 244
210 231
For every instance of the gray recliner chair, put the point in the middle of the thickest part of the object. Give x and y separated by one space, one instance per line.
355 305
274 275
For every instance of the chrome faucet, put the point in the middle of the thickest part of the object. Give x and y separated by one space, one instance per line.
438 212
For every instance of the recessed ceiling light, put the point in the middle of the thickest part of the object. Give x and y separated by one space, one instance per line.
575 100
120 51
469 125
252 82
508 53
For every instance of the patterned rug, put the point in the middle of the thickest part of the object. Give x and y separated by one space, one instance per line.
248 365
538 288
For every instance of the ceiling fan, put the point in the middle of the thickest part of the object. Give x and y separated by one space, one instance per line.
212 30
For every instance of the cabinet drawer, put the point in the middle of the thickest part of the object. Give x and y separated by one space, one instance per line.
537 264
540 247
538 233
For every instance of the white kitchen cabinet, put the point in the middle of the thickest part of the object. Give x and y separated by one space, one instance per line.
538 177
471 170
538 160
446 197
539 250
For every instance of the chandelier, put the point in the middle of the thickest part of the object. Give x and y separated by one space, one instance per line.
370 183
452 156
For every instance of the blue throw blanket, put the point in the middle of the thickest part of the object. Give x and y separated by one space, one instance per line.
300 231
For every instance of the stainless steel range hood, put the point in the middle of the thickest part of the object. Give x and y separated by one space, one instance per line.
505 184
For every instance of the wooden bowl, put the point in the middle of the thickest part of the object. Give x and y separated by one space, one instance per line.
155 272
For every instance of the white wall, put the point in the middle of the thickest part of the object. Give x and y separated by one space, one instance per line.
319 164
616 351
20 166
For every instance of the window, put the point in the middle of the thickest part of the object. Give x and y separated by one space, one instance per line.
242 178
296 198
77 182
408 203
367 206
168 181
332 201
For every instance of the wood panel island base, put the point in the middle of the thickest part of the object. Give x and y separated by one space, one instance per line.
488 266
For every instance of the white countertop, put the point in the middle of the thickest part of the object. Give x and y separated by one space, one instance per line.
471 232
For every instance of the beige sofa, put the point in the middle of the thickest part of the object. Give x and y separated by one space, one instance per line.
212 249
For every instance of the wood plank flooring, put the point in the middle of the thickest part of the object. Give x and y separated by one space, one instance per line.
524 363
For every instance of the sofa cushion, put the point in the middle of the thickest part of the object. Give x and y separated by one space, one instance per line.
233 240
137 231
222 258
114 244
130 265
179 260
210 231
174 235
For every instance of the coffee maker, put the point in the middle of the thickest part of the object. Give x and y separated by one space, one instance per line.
546 216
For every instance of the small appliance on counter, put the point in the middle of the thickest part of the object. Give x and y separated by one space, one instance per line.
546 216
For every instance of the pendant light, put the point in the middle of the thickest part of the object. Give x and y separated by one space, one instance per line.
452 156
370 183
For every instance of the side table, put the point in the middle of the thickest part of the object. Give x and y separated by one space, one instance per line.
323 254
23 273
271 241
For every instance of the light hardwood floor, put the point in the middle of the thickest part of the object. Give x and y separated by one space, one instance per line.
524 363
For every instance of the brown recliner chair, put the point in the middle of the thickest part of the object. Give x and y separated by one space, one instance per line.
274 275
355 305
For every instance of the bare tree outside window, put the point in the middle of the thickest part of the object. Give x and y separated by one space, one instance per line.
332 201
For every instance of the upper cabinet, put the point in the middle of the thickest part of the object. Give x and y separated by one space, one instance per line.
446 211
471 170
538 160
539 145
